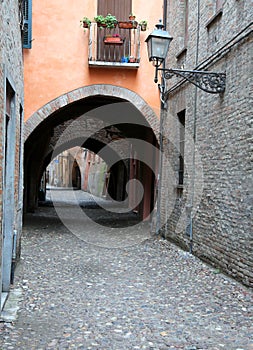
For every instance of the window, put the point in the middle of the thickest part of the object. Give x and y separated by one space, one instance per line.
181 120
183 33
214 26
27 26
214 12
121 10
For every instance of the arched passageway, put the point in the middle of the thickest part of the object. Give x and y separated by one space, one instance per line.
115 124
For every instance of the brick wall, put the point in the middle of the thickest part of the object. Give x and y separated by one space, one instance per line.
218 173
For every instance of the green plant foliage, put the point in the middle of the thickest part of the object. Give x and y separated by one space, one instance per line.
85 20
110 21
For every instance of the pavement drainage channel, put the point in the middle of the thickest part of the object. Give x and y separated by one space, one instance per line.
10 303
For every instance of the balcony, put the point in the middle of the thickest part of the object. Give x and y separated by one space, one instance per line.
124 52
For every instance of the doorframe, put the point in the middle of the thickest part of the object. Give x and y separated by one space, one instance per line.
8 180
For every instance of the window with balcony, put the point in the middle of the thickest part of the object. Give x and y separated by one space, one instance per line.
119 45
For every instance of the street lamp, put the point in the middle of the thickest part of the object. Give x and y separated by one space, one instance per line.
158 43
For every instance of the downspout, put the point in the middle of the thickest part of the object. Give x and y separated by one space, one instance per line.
165 7
162 109
194 136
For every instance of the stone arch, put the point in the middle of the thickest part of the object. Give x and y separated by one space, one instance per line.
91 91
64 116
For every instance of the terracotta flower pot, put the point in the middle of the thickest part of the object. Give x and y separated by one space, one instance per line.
101 25
128 24
113 40
143 27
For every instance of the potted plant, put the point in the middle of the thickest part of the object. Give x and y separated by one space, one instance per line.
100 21
131 17
128 25
143 25
110 21
85 22
113 39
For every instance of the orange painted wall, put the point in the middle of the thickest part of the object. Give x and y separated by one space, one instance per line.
57 62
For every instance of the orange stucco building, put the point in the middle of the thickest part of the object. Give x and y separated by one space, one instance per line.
58 60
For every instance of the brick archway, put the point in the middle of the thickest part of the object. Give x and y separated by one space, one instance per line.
102 106
90 91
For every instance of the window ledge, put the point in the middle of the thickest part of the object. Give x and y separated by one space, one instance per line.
104 64
214 18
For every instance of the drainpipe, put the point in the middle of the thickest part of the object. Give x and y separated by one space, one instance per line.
165 6
194 138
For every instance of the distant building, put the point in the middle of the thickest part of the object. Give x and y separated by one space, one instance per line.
64 170
96 176
11 141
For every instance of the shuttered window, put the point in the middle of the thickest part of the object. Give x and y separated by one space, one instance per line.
119 8
27 31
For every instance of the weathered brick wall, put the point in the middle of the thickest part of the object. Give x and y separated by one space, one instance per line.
218 176
11 68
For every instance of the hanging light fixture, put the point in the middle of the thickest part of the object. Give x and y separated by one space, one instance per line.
158 43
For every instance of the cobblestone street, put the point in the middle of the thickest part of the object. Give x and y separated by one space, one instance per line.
111 286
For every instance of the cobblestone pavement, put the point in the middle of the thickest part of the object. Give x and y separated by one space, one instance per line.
150 295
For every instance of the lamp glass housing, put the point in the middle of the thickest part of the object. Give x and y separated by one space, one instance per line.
158 43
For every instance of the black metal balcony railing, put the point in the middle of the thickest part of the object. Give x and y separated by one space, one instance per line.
125 53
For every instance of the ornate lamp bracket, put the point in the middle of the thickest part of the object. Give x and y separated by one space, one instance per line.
210 82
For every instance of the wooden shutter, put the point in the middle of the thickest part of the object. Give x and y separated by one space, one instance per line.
119 8
27 33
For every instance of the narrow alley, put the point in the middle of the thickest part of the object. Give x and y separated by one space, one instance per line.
110 285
